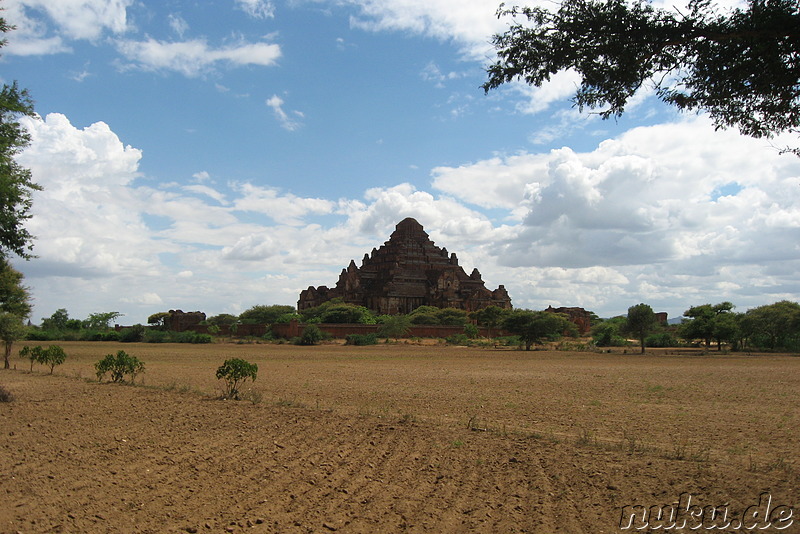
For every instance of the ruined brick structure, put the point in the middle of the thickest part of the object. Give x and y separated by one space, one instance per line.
180 321
407 272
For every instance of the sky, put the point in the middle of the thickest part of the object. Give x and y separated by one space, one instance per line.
215 156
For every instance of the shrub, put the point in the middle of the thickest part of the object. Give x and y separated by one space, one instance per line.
34 354
120 365
361 339
132 334
235 373
111 335
457 339
54 355
663 339
471 331
311 335
5 395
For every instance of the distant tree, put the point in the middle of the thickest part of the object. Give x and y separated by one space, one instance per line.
608 333
640 322
311 335
158 320
394 326
57 321
15 307
101 320
16 185
261 314
425 315
491 317
741 67
709 322
536 326
452 316
773 326
223 319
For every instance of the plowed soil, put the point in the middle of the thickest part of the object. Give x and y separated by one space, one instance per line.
393 438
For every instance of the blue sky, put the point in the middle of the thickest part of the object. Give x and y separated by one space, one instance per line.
217 155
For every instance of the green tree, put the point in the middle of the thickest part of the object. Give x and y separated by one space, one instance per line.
224 319
640 322
425 315
773 326
16 185
491 317
100 320
536 326
452 316
157 320
15 307
608 333
57 321
394 326
52 356
741 67
261 314
34 354
709 323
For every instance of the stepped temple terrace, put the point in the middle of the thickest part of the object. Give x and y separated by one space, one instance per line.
407 272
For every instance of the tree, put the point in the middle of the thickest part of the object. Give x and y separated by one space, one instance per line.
535 326
709 322
394 326
261 314
741 67
57 321
490 317
100 320
774 325
157 320
15 307
640 322
120 365
16 185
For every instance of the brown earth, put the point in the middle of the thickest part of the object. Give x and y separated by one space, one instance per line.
393 438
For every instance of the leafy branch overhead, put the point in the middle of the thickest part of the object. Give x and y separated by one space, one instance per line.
742 67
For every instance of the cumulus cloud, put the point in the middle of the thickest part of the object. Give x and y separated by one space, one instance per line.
194 57
673 215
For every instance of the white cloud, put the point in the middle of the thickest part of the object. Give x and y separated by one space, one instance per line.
637 219
288 121
43 26
178 24
195 57
260 9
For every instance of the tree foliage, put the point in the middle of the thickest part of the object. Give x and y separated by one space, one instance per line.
119 365
709 323
536 326
640 322
741 66
15 307
261 314
16 184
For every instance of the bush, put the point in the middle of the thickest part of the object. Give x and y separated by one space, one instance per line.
52 356
111 335
471 331
311 335
661 340
155 336
120 365
132 334
5 395
457 339
235 373
361 339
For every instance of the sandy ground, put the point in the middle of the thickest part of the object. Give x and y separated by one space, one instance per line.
394 439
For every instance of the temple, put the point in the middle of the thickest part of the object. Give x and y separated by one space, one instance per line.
407 272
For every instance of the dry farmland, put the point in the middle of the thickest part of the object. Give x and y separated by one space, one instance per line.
393 438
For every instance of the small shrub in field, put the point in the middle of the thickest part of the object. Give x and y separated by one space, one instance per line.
311 335
120 365
52 356
5 395
111 335
471 331
457 339
235 373
362 339
132 334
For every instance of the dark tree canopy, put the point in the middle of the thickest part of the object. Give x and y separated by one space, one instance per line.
742 67
16 185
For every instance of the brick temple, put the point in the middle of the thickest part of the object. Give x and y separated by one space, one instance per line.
407 272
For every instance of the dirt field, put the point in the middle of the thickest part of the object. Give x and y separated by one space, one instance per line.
394 438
